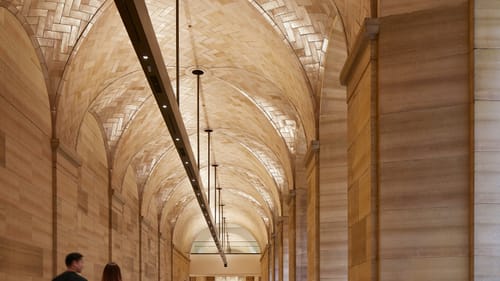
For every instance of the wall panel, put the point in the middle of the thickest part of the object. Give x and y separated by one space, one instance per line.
487 139
125 227
25 159
424 134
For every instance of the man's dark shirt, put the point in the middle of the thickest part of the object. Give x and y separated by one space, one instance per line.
69 276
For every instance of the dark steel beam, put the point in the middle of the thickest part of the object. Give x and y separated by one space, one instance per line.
136 19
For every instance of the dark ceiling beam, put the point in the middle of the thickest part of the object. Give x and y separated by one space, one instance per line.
136 19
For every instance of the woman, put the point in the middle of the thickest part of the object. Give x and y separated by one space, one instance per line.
111 272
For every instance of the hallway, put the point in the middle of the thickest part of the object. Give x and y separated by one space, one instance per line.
294 139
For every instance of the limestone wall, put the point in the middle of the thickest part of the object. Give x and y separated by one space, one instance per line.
56 199
25 159
180 266
487 137
125 227
424 141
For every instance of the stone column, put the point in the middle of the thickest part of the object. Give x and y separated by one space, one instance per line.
292 237
360 75
301 234
264 264
300 223
286 250
425 140
333 164
312 168
487 140
272 259
279 251
410 144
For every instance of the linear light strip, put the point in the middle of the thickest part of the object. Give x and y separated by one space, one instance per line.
136 19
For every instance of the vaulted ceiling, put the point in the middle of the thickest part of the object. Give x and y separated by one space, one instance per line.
263 63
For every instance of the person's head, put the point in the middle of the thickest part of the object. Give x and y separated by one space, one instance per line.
74 262
111 272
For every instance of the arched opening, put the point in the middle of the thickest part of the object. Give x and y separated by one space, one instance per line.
238 240
241 247
85 220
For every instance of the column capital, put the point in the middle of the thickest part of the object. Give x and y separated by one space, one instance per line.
369 31
69 154
117 197
311 151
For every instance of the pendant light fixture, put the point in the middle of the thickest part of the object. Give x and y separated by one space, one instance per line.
198 73
208 165
215 190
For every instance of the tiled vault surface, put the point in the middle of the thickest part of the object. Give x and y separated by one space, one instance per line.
264 66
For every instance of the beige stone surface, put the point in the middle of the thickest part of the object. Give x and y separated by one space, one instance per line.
81 42
487 102
180 266
125 228
361 166
61 33
115 189
25 170
360 181
425 143
130 150
264 265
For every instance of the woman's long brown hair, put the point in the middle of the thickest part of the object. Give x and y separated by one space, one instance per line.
111 272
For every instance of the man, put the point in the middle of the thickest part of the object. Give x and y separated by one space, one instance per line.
74 265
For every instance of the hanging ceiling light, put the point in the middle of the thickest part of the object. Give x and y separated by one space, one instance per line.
198 72
215 190
209 131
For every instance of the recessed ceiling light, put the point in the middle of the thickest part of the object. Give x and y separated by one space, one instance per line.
186 162
177 139
145 57
193 180
164 106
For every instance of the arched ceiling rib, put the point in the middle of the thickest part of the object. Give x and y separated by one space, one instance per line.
275 106
181 198
168 172
255 96
190 223
172 166
117 105
138 136
153 128
242 238
305 26
229 176
59 27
